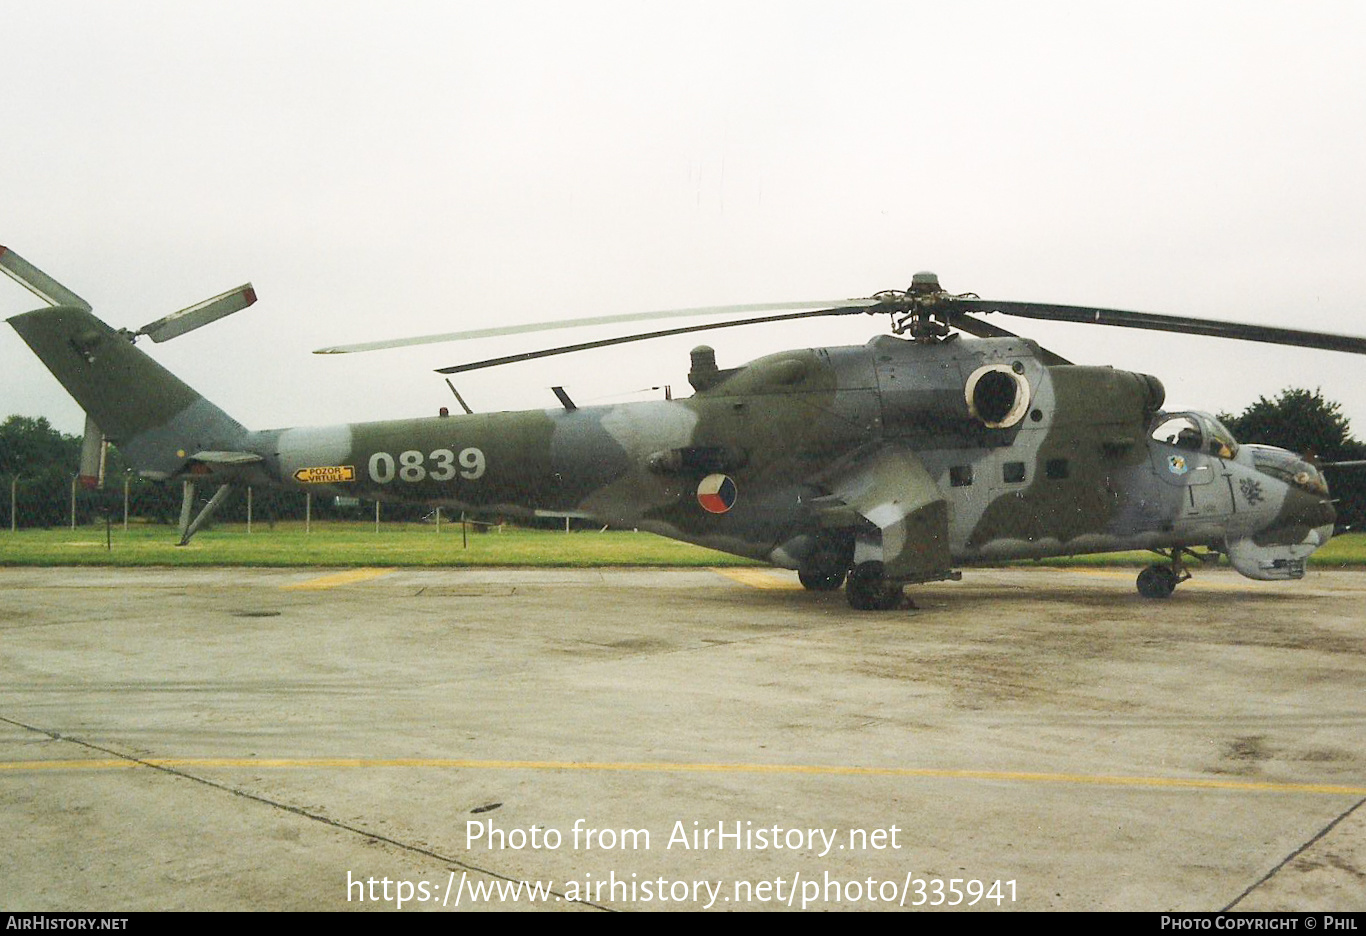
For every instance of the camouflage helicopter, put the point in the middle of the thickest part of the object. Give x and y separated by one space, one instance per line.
948 443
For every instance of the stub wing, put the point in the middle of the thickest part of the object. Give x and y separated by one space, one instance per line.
891 489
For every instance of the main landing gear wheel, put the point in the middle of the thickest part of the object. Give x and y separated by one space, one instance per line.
1159 581
819 581
868 590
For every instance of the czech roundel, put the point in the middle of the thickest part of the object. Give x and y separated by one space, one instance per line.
716 493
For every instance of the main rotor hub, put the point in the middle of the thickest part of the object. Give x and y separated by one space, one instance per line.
923 283
918 310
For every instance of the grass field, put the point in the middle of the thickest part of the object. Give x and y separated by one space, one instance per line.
349 544
358 544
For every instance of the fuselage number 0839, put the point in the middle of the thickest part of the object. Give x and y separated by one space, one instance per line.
439 465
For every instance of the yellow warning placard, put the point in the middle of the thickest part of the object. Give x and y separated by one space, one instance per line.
328 474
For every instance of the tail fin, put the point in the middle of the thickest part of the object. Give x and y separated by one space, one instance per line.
158 422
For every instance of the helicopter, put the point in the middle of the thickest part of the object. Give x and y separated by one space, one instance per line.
947 443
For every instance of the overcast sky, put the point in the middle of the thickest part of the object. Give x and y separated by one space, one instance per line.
381 170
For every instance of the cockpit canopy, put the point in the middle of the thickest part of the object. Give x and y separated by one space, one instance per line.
1200 432
1195 432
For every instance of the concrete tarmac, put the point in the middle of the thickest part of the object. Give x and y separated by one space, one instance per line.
660 739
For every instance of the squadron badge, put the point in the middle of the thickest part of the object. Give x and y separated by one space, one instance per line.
1177 464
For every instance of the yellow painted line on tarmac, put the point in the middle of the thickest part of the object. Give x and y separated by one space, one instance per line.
758 578
349 577
315 763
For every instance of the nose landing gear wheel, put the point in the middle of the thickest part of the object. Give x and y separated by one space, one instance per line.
868 590
1157 581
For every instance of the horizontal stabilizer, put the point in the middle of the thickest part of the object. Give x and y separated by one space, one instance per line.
226 458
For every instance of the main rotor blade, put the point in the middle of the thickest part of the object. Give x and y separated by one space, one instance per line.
607 342
1170 323
975 326
199 314
580 322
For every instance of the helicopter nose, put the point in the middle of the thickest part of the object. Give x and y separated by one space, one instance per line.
1310 510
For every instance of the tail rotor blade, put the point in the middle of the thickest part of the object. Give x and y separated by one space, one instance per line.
38 282
200 314
92 456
